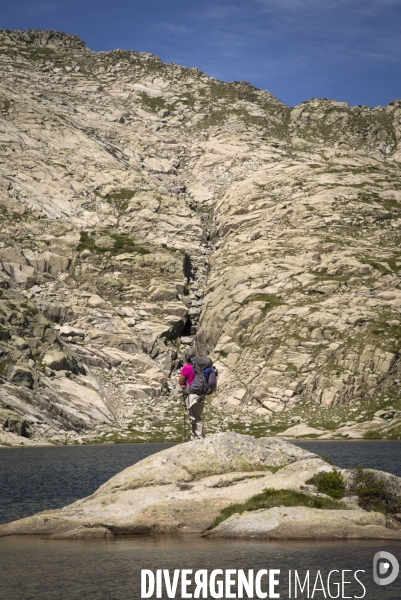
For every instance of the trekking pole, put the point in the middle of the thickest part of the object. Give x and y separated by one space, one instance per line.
185 425
185 422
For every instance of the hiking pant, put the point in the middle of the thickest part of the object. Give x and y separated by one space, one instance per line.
195 405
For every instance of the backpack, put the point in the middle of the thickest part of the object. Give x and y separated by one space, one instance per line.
211 374
205 377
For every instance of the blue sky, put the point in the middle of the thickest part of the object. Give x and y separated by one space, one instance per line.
348 50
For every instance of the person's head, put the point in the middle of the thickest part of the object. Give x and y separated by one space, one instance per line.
189 355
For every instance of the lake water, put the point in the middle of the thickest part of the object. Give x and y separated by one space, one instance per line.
40 478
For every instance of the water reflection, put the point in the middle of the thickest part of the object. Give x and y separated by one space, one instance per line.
35 479
35 569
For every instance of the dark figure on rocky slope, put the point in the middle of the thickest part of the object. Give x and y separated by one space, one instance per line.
194 403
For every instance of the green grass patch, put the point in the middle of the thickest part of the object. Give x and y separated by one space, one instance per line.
123 194
5 105
30 311
119 200
278 428
331 483
376 265
372 435
41 54
4 367
39 364
270 300
392 334
270 498
5 333
322 275
253 429
169 248
123 244
328 425
153 103
275 469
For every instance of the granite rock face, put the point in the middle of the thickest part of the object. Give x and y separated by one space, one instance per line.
146 206
184 488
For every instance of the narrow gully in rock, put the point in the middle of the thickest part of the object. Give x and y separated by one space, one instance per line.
113 165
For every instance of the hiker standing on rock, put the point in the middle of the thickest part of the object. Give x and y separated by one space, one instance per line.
194 403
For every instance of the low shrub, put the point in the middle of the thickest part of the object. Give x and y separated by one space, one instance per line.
326 459
120 200
372 435
4 367
375 492
331 483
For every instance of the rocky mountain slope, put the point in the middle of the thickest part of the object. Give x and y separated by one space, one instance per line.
146 206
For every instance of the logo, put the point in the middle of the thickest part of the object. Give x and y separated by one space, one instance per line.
385 563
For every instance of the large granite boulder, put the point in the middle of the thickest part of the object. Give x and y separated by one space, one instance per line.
302 523
184 488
